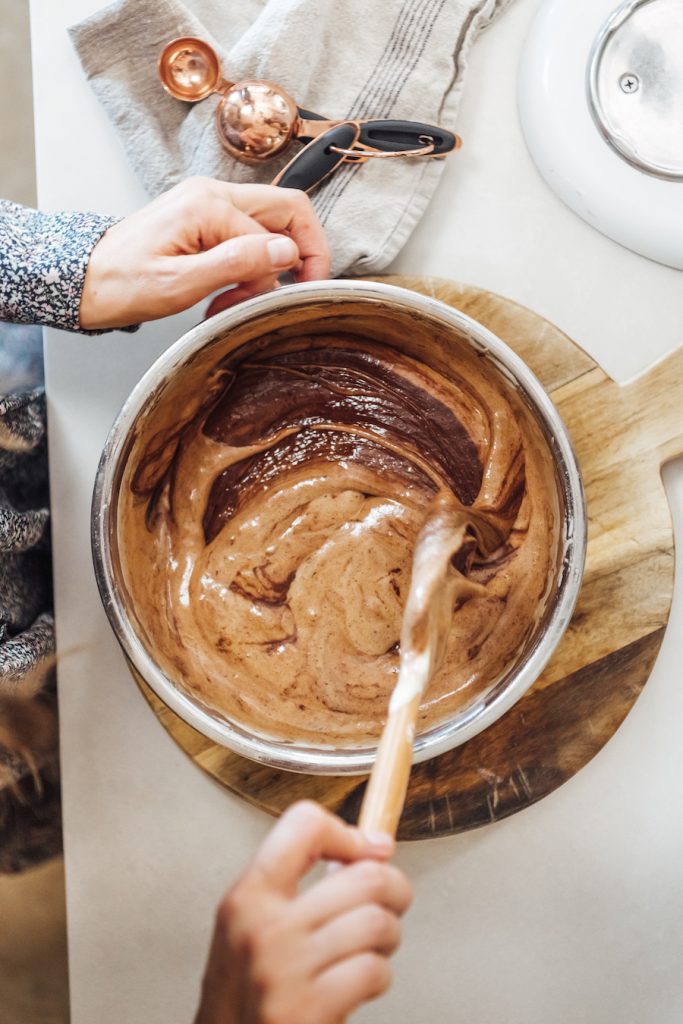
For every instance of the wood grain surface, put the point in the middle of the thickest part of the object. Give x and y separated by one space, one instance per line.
622 436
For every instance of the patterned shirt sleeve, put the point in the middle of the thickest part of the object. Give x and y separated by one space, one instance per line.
43 260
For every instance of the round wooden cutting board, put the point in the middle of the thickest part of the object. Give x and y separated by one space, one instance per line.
622 436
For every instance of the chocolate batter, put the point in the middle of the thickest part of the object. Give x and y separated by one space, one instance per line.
267 537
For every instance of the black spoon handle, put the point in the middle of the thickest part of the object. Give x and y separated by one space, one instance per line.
310 115
394 136
315 161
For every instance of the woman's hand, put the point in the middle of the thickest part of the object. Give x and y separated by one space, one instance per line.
281 957
198 237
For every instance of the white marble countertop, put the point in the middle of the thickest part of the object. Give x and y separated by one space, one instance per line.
572 911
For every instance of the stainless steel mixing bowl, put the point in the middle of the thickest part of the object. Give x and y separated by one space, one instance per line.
409 321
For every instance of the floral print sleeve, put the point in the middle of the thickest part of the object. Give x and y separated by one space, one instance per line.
43 260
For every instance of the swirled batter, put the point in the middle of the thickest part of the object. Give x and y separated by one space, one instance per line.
267 536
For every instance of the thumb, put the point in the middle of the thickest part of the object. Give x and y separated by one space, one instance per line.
243 258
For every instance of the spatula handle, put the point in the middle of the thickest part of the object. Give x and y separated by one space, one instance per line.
386 790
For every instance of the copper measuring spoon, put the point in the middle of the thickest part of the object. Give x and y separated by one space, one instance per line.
257 119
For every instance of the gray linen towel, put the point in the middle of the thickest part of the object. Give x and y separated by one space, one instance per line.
342 58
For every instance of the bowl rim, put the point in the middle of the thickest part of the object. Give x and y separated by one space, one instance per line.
326 760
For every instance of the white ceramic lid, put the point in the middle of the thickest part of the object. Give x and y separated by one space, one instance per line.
635 85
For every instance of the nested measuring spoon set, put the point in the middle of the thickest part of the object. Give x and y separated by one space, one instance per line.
257 120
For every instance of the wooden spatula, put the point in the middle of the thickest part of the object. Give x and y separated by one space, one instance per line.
435 586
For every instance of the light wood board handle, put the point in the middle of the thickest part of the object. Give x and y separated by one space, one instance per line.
656 400
386 790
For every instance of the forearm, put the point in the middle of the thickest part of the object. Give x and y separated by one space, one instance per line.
68 270
43 261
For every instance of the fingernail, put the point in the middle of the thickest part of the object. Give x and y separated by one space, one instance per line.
381 841
282 251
